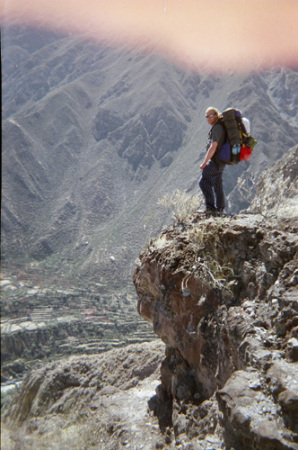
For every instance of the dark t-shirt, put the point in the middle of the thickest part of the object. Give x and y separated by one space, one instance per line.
217 134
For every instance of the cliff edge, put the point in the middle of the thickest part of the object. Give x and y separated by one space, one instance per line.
222 295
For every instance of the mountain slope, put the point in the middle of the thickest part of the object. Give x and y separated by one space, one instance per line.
93 137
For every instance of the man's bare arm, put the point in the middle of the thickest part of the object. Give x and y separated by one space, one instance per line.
209 154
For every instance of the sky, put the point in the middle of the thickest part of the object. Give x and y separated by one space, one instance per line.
215 35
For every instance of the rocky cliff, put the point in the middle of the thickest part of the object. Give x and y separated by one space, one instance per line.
221 293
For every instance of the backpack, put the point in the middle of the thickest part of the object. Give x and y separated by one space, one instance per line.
239 144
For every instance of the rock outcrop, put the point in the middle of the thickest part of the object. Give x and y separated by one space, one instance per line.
277 188
222 294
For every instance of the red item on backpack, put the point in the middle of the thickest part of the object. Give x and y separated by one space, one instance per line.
245 153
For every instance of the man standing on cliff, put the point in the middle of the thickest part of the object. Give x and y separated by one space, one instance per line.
212 168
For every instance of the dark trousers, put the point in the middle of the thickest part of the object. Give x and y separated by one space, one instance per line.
211 186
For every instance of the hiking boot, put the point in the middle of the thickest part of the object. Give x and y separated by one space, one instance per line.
210 212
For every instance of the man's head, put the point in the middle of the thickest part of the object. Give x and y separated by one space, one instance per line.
211 115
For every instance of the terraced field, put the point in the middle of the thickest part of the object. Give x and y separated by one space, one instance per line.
40 324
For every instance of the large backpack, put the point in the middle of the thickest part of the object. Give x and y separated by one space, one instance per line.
239 144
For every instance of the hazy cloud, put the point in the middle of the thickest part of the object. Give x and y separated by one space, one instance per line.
218 35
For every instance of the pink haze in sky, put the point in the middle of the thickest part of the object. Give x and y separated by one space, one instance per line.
217 35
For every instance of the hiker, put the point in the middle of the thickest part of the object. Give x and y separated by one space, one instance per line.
212 168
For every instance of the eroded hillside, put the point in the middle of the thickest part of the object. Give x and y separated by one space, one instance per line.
93 137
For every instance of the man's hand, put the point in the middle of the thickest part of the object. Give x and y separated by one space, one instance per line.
210 153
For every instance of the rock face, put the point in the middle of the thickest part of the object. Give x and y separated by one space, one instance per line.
222 294
275 193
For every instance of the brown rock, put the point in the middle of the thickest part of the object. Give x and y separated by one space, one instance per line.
208 289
